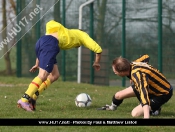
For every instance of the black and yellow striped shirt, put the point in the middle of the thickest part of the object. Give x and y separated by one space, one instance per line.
144 58
148 80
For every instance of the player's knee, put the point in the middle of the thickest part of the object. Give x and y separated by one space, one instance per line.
135 113
43 75
118 96
56 77
43 78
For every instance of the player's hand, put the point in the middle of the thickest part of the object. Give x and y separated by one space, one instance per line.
34 68
96 66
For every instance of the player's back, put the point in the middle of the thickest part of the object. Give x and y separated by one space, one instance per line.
67 38
156 80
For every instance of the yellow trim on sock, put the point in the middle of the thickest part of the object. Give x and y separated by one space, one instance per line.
42 87
33 87
24 100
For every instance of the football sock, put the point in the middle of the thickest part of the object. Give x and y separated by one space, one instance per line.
116 101
43 87
33 87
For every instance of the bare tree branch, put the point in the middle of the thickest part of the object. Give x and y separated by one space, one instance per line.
13 5
69 4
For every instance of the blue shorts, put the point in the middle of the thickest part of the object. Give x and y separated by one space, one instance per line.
46 51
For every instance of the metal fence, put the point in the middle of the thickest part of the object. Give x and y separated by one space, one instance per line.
127 28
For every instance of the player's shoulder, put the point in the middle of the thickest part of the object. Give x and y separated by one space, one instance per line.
140 65
143 58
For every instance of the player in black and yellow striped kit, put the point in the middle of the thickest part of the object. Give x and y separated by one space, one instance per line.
148 85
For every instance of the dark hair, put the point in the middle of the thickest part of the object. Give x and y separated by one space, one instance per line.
121 64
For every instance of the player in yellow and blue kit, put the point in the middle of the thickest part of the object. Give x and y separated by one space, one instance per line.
57 38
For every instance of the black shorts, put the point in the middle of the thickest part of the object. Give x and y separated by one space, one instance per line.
155 101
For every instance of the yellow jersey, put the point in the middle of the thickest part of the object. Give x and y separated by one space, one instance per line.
71 38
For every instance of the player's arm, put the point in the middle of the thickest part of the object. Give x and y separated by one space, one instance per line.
35 67
142 84
89 43
97 58
96 64
37 62
146 111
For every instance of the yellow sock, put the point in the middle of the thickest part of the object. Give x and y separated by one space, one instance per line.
33 87
42 87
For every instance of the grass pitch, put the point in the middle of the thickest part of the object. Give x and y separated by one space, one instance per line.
58 102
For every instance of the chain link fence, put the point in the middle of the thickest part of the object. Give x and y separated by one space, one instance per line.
140 34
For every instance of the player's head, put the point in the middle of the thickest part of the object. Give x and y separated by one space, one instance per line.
121 66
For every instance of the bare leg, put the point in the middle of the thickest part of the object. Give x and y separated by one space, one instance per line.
126 93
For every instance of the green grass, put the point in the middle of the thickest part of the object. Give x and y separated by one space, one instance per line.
58 102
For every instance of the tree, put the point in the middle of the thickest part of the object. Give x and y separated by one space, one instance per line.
57 12
101 21
8 69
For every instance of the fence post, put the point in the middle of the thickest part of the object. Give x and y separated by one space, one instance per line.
160 35
63 51
38 24
92 36
123 36
18 47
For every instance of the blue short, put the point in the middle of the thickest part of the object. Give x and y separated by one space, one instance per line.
46 51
